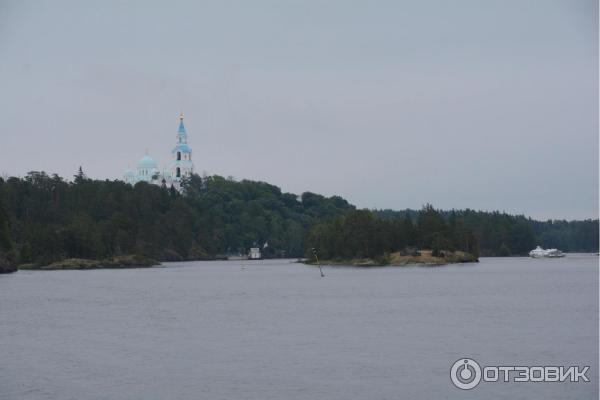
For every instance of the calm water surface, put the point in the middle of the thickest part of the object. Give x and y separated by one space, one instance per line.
276 330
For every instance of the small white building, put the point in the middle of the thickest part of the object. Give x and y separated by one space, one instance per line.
254 253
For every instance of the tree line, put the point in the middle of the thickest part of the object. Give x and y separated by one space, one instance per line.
502 234
52 219
360 234
45 218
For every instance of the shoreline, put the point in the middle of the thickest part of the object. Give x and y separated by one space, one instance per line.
119 262
422 257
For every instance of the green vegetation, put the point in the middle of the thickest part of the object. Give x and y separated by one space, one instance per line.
53 220
361 237
46 219
501 234
573 236
7 254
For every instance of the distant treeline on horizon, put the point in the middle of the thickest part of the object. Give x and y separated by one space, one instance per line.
45 218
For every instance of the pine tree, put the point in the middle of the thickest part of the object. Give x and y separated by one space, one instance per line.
80 176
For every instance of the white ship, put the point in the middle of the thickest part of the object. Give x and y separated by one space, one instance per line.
538 252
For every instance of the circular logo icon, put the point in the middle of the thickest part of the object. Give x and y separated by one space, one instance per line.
465 374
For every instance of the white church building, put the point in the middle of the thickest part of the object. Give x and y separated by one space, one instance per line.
180 166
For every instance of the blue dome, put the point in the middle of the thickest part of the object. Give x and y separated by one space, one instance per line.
182 147
129 173
146 162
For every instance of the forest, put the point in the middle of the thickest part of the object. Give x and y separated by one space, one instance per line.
45 218
360 234
502 234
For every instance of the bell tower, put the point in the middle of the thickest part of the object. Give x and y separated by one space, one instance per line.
181 165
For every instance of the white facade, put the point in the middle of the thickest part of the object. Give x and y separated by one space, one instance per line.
254 253
180 166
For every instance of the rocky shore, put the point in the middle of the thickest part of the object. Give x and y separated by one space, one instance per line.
128 261
7 263
422 257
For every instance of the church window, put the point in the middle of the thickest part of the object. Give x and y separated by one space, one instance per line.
178 172
178 155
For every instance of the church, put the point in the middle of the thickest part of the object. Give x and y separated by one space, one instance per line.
180 166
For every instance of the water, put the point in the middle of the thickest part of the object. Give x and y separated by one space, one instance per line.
276 330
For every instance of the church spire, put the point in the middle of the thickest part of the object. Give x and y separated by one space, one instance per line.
181 127
181 133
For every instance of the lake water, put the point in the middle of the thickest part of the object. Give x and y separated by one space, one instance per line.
276 330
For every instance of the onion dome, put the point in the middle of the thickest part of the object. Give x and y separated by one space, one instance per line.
147 162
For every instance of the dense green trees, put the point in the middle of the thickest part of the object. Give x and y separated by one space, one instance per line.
501 234
52 219
45 218
356 234
7 254
367 234
572 236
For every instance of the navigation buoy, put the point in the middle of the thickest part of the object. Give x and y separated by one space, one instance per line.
314 251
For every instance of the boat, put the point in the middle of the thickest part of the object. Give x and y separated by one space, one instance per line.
539 252
554 253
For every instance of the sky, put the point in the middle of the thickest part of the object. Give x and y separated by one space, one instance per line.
489 105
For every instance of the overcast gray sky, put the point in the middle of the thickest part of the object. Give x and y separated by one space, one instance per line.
489 105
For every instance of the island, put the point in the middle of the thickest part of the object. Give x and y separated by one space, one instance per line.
128 261
361 238
402 258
